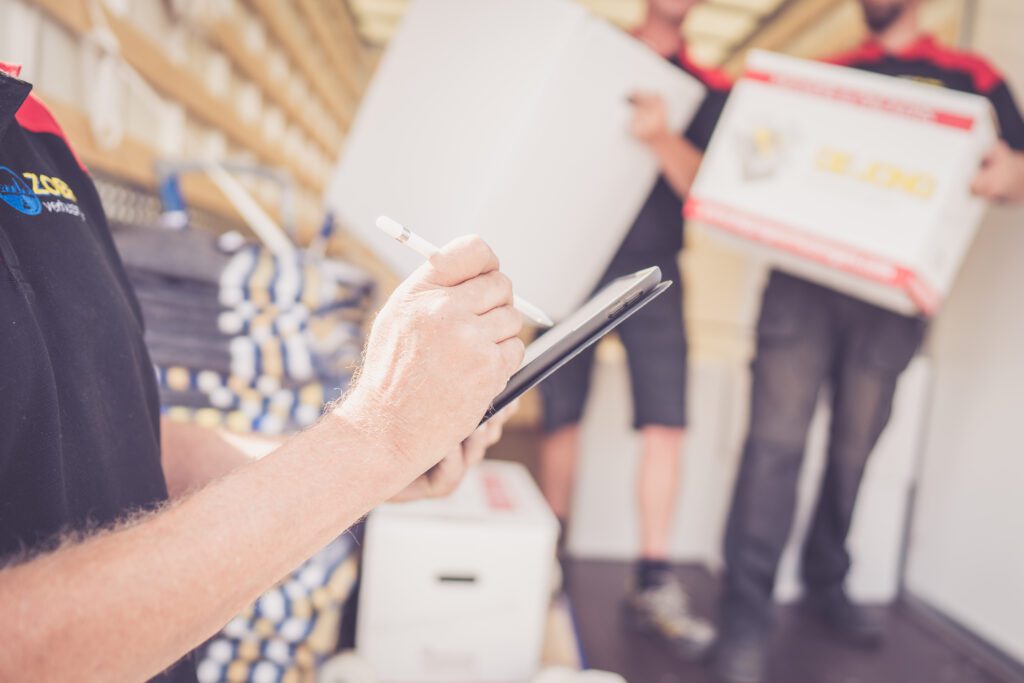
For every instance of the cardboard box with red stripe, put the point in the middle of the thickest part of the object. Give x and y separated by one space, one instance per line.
457 589
853 180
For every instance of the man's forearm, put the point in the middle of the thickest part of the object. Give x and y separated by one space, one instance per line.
679 161
193 456
127 603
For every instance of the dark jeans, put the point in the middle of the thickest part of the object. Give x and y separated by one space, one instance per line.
809 337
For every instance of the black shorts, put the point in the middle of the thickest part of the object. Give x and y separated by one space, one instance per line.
655 341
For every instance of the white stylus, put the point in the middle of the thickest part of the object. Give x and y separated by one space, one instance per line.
399 232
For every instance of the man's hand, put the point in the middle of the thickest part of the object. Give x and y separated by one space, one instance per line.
444 477
1001 177
677 157
440 350
650 122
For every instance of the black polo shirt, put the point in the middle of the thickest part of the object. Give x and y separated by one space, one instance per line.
927 61
658 228
79 414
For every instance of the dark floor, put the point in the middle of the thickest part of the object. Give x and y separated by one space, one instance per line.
801 651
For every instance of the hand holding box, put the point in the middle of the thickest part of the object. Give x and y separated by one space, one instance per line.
857 181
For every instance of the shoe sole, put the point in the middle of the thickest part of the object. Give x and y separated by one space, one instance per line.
725 676
639 623
866 642
729 678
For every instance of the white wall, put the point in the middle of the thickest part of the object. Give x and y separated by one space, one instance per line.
967 541
966 552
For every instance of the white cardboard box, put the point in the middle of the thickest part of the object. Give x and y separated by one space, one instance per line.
508 119
854 180
457 590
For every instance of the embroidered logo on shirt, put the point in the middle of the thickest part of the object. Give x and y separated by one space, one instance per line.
17 194
31 193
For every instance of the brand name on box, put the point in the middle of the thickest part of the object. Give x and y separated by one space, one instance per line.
881 174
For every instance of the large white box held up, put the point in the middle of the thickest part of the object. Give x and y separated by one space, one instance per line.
457 590
508 119
857 181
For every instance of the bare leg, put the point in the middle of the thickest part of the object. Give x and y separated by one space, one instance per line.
658 603
558 467
657 487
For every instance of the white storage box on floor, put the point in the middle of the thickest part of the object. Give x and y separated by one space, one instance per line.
508 119
458 589
857 181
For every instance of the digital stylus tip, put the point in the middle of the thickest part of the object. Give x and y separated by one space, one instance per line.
390 227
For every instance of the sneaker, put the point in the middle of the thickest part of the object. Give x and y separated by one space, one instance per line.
739 658
850 622
663 610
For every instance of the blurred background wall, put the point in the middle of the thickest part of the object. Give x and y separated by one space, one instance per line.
965 551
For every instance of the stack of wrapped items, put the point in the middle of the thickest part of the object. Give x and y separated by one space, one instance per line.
291 629
240 337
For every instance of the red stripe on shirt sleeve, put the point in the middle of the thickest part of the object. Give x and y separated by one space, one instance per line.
715 79
865 53
986 78
35 117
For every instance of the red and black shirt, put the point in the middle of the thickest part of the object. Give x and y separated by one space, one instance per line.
658 228
79 413
927 61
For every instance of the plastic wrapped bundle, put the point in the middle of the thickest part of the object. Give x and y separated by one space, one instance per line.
240 337
266 405
291 629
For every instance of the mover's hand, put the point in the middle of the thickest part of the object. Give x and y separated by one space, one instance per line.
441 349
444 477
650 121
1001 177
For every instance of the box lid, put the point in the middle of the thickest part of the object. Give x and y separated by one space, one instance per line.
897 96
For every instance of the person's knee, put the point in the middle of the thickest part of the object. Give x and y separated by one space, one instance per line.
769 463
852 441
780 428
662 437
564 435
784 396
862 409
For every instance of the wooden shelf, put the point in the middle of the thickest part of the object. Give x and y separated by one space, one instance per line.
225 36
177 83
792 20
285 25
134 161
320 25
343 24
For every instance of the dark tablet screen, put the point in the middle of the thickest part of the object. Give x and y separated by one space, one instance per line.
596 318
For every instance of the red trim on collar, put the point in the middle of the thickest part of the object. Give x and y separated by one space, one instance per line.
868 51
712 78
35 117
985 77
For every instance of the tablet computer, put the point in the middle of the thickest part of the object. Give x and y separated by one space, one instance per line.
605 311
